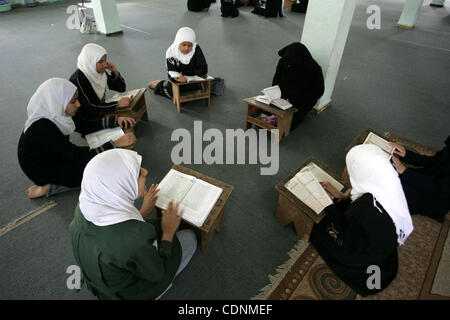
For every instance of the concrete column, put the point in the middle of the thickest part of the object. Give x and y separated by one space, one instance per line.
409 15
106 16
437 3
325 31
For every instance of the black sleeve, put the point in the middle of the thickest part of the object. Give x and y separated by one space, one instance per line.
420 181
416 159
201 67
89 103
86 126
116 84
171 66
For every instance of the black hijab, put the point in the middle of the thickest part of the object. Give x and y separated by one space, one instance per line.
299 76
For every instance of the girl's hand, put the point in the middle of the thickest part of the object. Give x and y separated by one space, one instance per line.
150 197
399 150
181 79
111 66
398 165
332 191
125 122
124 102
125 141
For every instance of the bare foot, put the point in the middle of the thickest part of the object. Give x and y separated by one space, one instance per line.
37 191
153 84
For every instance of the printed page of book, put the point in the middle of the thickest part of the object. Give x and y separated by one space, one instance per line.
313 186
304 195
281 103
174 186
194 78
273 92
129 94
263 99
375 139
199 201
322 176
99 138
174 74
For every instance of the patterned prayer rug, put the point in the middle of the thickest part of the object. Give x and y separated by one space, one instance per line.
306 276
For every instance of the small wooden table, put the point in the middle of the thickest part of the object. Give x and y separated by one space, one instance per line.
204 93
291 209
284 117
215 220
137 110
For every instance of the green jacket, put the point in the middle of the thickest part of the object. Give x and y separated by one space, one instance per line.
120 261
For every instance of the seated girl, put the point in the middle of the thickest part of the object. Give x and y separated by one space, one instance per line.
184 57
229 8
91 79
45 153
365 230
300 79
198 5
427 187
120 254
271 9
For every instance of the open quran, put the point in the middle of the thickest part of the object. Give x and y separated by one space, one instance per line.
128 94
373 138
305 185
196 197
175 74
97 139
272 95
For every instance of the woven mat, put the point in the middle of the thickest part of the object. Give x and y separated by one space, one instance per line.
306 276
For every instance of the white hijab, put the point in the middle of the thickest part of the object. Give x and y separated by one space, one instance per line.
50 101
173 52
371 171
110 186
87 61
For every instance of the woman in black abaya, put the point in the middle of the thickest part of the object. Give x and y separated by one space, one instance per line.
300 79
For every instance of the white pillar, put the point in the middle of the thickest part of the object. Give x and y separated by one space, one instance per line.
106 16
409 15
325 31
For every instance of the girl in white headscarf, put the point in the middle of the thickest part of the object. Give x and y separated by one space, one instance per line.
45 153
121 255
365 230
92 80
183 58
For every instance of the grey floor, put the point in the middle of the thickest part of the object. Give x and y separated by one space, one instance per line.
390 79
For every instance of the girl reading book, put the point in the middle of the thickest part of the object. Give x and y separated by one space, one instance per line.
366 229
121 255
183 58
45 153
92 80
300 79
